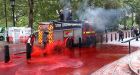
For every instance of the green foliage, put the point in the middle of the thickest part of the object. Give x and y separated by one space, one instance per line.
138 18
45 10
22 21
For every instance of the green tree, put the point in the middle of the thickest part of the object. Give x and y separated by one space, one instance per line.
31 13
45 10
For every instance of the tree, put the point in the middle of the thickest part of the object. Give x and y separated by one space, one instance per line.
45 10
138 20
31 12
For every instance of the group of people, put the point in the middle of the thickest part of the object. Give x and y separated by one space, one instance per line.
65 14
134 31
32 38
30 43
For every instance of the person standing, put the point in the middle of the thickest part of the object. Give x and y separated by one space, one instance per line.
45 39
132 31
121 35
29 46
61 15
136 33
32 39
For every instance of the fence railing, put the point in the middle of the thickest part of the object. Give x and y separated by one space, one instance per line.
112 36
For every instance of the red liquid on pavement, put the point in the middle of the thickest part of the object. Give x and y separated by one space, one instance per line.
62 61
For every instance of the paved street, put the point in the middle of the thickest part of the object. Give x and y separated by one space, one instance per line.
128 65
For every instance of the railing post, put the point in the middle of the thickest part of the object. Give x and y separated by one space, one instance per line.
115 36
111 37
125 34
101 37
129 43
106 38
128 34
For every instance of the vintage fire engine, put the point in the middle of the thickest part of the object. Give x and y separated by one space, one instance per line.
80 32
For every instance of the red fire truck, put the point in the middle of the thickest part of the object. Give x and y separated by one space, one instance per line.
75 32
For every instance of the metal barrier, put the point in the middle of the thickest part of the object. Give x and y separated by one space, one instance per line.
129 43
129 65
112 36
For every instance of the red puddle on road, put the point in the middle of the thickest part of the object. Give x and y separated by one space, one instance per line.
48 64
62 61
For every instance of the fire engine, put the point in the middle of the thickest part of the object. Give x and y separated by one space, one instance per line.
80 33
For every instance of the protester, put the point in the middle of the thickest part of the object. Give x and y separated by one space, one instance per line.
65 14
132 31
31 39
136 33
45 39
121 35
70 42
61 14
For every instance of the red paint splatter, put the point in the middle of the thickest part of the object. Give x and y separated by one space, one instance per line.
52 48
37 51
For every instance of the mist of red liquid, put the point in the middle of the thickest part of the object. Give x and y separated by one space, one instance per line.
37 51
50 49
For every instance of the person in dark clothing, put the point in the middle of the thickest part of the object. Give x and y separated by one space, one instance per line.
132 31
61 15
32 39
70 42
136 33
80 42
29 46
45 39
121 35
69 17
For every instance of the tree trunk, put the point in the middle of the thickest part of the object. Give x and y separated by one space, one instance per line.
31 12
132 18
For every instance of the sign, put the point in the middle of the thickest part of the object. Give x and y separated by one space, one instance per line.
68 33
18 34
59 26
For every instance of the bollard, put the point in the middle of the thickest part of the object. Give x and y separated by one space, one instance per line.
95 42
101 37
80 42
115 36
6 54
28 51
106 38
111 37
126 34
